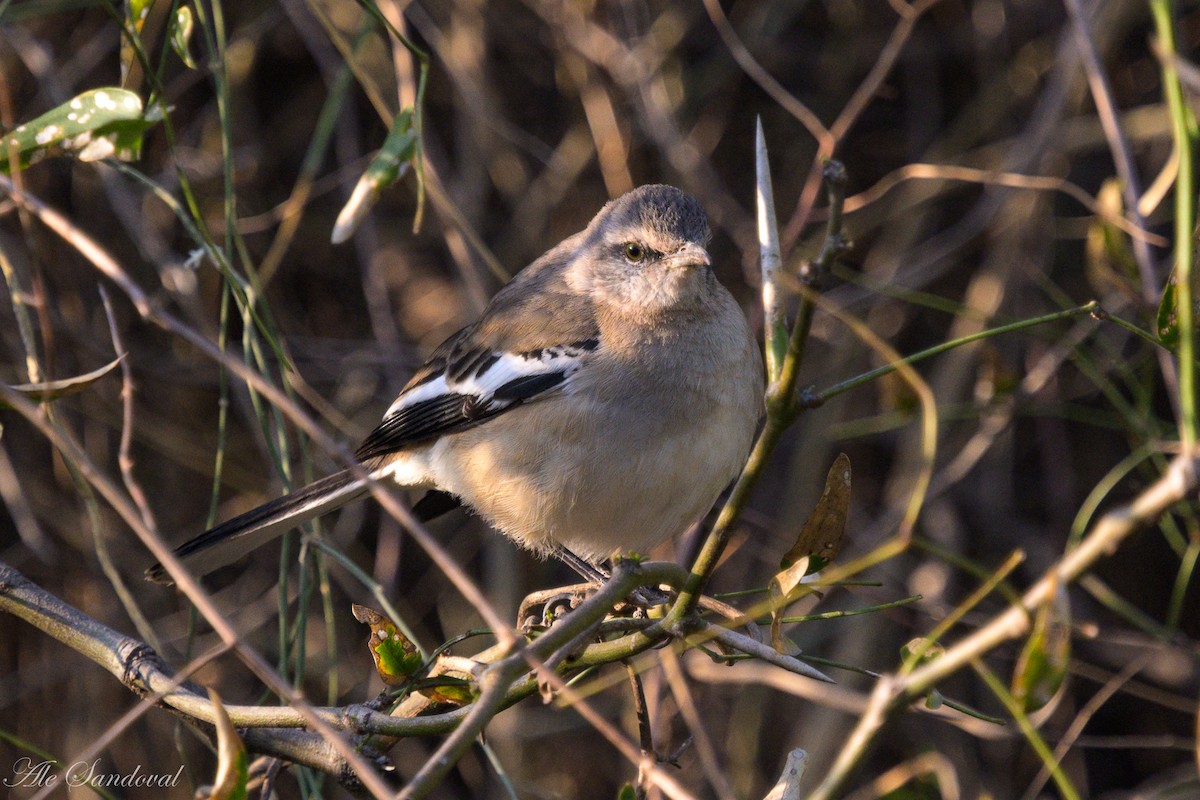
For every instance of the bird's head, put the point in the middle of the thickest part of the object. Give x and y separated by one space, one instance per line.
645 252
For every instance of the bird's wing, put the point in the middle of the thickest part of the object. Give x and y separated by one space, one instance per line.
471 389
533 336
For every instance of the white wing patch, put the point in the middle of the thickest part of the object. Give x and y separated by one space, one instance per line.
497 372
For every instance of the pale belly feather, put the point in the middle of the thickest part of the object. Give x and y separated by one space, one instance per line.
594 493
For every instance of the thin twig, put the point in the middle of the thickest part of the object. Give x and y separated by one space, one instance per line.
138 667
710 762
1106 110
744 644
125 450
909 15
782 407
1028 730
1135 227
1071 735
498 678
893 693
645 732
787 101
106 264
204 604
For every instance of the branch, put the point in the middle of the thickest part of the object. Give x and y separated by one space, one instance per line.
74 453
893 693
781 401
104 262
275 731
140 669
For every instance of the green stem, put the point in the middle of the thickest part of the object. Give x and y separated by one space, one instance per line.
1065 788
1183 579
781 396
817 398
1183 126
373 587
1103 594
1100 492
950 620
782 406
851 612
418 111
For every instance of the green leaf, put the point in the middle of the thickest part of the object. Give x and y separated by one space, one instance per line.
928 652
1111 266
777 345
99 123
232 771
136 12
1042 665
396 658
627 792
452 680
52 390
1167 326
386 168
181 36
447 690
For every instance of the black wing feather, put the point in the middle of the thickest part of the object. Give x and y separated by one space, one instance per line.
521 388
461 358
416 423
451 413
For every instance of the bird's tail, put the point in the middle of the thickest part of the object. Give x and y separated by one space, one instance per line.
231 540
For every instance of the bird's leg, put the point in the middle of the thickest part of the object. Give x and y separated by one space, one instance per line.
586 569
553 603
643 597
556 602
648 597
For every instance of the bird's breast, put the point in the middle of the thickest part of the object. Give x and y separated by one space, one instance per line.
625 457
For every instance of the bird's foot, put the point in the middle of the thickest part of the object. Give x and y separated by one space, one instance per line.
539 610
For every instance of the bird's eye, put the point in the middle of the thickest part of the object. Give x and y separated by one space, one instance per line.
634 252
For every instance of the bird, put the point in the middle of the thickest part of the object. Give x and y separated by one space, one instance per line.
599 404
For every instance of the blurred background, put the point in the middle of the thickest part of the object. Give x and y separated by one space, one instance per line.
535 114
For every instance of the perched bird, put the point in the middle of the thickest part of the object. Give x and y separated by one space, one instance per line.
600 404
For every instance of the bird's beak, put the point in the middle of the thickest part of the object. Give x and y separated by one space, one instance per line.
690 255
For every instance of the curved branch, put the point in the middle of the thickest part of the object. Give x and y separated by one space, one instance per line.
893 693
140 669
